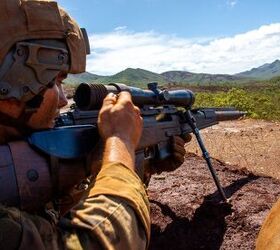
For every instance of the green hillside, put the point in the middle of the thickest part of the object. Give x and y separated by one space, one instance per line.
260 100
199 78
83 77
140 77
134 77
264 72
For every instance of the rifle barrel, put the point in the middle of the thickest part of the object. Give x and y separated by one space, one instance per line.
229 115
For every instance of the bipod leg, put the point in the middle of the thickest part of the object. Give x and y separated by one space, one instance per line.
192 123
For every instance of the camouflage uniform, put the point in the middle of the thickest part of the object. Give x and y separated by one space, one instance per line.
269 236
115 215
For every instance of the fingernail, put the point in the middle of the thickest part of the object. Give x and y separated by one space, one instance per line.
112 95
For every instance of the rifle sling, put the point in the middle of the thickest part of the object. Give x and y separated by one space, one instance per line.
54 169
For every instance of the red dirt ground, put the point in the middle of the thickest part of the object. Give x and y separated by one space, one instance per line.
186 209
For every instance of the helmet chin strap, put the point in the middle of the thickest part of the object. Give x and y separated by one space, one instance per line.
33 104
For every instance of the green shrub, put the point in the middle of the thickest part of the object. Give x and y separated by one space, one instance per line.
261 103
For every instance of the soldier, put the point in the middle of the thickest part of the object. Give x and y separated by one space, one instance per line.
40 43
269 236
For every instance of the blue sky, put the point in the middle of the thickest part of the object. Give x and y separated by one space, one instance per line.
210 36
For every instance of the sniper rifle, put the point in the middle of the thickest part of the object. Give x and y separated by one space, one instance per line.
166 113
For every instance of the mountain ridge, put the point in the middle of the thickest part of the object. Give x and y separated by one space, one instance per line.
264 72
140 77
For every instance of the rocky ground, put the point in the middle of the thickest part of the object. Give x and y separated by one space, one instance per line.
186 209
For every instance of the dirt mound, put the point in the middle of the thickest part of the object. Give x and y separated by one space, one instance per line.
187 212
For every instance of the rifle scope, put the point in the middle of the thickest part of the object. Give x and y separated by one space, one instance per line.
90 96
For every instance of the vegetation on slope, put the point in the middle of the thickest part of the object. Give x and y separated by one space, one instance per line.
134 77
140 77
263 72
261 103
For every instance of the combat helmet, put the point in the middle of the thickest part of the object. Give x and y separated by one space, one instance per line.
38 40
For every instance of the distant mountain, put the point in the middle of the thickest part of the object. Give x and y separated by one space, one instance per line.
140 77
188 77
129 76
135 77
83 77
264 72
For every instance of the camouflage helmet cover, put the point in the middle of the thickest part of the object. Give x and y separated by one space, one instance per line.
31 19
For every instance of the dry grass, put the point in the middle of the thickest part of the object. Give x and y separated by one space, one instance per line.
250 144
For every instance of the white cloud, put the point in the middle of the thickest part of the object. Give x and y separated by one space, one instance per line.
232 3
121 49
120 28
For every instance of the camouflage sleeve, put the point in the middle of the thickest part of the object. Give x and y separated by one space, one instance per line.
115 214
113 226
269 236
105 222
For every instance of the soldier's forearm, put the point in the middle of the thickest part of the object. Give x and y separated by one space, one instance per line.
116 150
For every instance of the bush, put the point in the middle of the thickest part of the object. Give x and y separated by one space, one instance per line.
261 103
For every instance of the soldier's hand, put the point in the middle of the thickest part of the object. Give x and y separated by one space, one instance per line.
119 117
176 159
